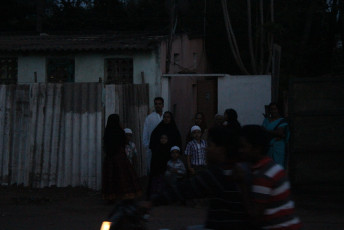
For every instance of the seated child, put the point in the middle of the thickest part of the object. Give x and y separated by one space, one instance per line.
160 156
175 166
130 148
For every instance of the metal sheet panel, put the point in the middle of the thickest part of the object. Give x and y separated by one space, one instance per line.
131 103
50 134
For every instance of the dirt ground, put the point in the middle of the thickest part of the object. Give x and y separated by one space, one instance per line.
79 208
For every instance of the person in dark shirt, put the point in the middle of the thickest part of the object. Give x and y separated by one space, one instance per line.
231 120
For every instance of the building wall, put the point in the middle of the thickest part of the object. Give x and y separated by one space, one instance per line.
191 58
247 94
149 64
28 65
91 67
47 139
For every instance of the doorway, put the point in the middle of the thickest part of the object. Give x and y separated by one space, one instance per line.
189 95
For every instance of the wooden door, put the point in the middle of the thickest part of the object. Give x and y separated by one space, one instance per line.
207 99
190 95
183 102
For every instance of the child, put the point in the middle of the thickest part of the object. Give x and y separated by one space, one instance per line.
130 148
225 210
268 200
175 166
160 157
195 151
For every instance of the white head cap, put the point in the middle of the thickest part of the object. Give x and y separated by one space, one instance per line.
127 130
175 148
195 127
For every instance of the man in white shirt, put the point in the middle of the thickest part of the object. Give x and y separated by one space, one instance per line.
152 120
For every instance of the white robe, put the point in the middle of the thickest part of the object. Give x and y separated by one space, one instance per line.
151 122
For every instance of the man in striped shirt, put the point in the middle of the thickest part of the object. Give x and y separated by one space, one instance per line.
195 151
269 203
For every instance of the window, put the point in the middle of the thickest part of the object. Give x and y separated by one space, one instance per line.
119 71
60 69
8 70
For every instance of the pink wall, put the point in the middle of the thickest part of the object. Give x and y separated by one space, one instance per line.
188 54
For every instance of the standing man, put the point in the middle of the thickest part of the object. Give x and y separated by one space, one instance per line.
152 120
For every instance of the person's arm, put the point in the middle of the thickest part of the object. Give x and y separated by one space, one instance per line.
152 139
278 133
188 160
134 155
168 166
181 169
145 134
188 153
205 135
134 149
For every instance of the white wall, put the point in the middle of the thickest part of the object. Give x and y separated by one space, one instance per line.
247 94
91 67
150 65
28 65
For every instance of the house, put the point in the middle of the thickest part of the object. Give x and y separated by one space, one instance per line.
114 58
51 134
53 108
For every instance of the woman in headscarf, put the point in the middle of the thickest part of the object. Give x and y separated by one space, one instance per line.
168 127
277 127
163 137
231 120
119 178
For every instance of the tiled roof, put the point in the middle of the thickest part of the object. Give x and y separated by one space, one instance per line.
108 42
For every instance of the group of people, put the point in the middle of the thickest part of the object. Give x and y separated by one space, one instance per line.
239 169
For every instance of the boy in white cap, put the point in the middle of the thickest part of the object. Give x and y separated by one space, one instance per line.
195 151
175 166
130 147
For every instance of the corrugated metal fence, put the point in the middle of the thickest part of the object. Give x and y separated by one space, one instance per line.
131 103
51 134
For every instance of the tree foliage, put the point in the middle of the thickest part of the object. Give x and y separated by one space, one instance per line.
309 32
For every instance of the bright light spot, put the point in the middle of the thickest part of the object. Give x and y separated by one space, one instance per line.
105 225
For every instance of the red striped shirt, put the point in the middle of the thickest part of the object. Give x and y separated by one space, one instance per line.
271 187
